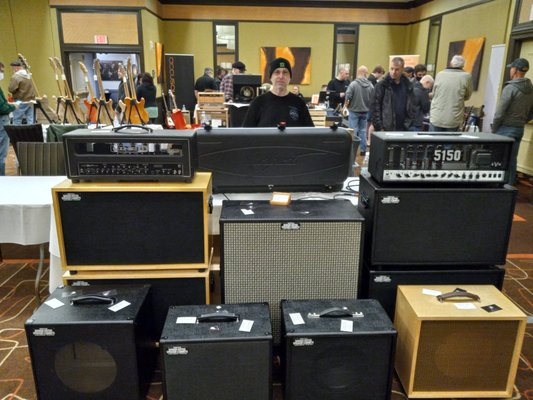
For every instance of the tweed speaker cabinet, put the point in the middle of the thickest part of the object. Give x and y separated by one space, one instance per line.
435 225
83 350
133 226
219 352
306 250
344 349
381 283
167 287
459 347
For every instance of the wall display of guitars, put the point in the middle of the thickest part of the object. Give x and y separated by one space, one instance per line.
132 110
67 101
91 103
41 102
105 112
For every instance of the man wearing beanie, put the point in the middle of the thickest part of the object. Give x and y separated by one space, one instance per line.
279 105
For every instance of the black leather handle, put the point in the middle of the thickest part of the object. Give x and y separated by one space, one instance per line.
456 293
92 299
335 312
218 317
119 129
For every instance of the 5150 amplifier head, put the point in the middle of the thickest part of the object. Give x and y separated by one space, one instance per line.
130 155
439 157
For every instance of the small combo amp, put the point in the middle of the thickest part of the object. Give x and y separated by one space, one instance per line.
306 250
126 155
167 287
272 159
435 225
133 225
440 157
381 283
219 352
337 349
457 341
92 343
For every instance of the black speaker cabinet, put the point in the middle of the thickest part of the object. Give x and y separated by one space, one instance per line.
437 225
84 348
337 350
219 352
128 226
168 287
459 347
380 283
306 250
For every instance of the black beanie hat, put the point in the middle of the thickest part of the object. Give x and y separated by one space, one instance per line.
280 63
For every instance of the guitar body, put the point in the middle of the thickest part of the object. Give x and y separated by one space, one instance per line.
73 114
134 112
179 119
92 110
106 112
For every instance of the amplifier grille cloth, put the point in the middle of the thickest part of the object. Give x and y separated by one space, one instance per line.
263 262
465 355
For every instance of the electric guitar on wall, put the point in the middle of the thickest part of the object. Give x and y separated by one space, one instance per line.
41 102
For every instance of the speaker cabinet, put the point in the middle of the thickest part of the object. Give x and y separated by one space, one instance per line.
90 350
381 283
458 347
128 226
168 287
306 250
435 226
337 350
217 352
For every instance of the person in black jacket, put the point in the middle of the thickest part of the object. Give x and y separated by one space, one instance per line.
338 86
394 107
147 90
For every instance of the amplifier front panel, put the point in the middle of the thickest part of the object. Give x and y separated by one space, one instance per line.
261 262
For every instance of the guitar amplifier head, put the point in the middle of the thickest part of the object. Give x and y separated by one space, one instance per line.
130 155
306 250
440 158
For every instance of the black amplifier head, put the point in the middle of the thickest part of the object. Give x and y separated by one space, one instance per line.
440 157
131 155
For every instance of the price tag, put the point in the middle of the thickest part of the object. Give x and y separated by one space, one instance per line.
246 325
186 320
296 319
465 306
346 325
246 211
431 292
54 303
119 306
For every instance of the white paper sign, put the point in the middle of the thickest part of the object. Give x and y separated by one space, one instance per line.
465 306
54 303
119 306
246 325
186 320
431 292
346 325
296 319
246 211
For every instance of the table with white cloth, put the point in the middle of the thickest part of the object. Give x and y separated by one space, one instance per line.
26 213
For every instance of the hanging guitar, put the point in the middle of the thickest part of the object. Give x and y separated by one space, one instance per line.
92 105
73 113
105 107
41 102
177 114
134 111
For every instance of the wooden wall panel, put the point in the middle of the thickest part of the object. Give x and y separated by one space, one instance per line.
80 28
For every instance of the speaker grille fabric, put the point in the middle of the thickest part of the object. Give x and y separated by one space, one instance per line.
263 262
465 355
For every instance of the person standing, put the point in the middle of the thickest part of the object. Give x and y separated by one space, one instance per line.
226 85
338 86
453 86
21 88
205 82
514 109
376 75
5 109
147 90
394 105
220 73
279 105
358 101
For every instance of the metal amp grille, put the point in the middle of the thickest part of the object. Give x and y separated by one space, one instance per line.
262 262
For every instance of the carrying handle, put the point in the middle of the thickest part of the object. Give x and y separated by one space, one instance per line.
119 129
92 299
218 317
456 293
335 312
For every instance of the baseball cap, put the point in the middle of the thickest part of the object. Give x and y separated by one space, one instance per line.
239 65
520 64
16 63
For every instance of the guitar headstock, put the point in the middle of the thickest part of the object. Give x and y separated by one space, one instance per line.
23 61
59 65
83 68
53 64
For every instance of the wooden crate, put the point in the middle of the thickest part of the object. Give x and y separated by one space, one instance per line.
318 116
205 98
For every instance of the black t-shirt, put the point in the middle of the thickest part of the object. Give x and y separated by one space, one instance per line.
268 110
204 82
339 87
400 103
